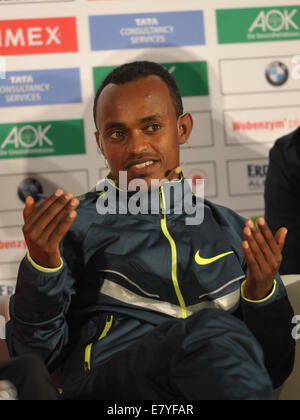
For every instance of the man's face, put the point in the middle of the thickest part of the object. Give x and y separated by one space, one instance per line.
138 129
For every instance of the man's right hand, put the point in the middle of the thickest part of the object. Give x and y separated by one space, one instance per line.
46 225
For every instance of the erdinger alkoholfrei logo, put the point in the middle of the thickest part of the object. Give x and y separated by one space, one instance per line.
277 73
30 187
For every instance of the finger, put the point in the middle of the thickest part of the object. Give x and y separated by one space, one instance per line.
265 230
29 207
46 216
280 237
259 248
252 264
266 242
44 206
63 227
60 217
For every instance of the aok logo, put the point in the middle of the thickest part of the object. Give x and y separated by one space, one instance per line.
28 137
38 36
275 21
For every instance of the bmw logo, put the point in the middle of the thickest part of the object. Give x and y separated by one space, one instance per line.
32 187
277 73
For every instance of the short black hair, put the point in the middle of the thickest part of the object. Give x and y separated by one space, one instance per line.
131 72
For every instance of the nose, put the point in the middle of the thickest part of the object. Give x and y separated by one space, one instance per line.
137 143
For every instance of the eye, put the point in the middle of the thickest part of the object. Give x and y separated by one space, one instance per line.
152 128
117 135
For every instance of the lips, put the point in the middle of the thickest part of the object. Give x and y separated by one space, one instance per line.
141 163
142 167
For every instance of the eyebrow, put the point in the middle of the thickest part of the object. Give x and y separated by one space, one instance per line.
150 118
144 120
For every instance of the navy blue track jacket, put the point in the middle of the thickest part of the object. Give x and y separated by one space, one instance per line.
122 275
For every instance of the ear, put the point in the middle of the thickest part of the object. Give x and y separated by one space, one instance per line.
185 126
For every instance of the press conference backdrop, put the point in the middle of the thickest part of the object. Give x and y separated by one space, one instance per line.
236 62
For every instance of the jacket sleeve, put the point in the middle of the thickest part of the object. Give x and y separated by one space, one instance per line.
270 321
38 312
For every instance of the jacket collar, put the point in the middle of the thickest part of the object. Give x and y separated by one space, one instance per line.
171 197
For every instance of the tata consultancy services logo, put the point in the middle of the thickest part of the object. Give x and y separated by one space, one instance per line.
258 24
38 36
44 138
277 73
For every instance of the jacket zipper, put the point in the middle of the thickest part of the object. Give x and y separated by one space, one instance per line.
88 349
173 253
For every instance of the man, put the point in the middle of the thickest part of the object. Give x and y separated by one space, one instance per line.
140 306
282 196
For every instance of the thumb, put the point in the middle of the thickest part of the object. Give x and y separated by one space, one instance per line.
280 237
29 207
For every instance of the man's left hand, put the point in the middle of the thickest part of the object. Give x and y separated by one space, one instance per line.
263 253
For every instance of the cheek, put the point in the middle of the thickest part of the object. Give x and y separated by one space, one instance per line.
113 155
170 148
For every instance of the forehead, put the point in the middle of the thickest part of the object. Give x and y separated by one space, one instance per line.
135 100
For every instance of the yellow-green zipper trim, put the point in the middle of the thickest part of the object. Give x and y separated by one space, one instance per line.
88 349
174 254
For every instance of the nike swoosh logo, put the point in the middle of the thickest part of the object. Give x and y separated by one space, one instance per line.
204 261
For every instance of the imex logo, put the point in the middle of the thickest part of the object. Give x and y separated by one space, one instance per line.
38 36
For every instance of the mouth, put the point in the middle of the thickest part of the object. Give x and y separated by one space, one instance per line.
142 167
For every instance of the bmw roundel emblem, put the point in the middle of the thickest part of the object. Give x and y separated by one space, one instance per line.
277 73
30 186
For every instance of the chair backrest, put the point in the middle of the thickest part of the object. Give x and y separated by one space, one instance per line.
292 284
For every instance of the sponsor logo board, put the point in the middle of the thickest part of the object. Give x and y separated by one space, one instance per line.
38 36
146 30
43 138
258 24
257 75
40 87
247 176
76 181
191 77
263 125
